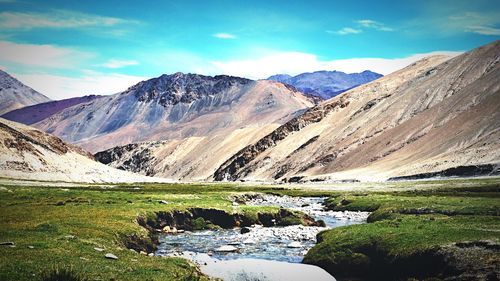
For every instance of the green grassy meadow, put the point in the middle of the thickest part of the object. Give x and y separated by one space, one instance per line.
59 227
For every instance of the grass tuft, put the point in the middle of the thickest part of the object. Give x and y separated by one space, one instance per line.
62 274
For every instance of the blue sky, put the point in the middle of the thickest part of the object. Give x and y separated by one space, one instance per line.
72 48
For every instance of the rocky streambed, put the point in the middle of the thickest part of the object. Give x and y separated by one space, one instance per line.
223 251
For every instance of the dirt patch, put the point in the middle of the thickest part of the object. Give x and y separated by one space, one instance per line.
139 243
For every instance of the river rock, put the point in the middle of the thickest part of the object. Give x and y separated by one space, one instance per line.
31 247
110 256
294 244
163 202
226 249
244 230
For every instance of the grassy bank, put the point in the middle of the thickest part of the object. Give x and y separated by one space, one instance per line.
447 232
59 227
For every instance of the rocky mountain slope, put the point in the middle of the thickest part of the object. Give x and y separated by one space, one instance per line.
176 107
326 84
26 153
35 113
14 94
435 114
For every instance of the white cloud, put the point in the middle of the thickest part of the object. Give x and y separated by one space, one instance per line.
481 23
294 63
114 63
345 31
41 55
362 25
55 19
366 23
483 30
224 36
62 87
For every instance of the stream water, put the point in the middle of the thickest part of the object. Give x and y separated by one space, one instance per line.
286 244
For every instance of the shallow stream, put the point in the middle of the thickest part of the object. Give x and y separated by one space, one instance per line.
287 244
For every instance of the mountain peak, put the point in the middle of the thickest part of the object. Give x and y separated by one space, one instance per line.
171 89
324 83
14 94
6 80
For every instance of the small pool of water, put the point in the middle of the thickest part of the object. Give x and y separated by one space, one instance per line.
288 243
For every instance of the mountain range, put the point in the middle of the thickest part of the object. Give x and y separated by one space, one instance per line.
437 114
34 113
176 107
326 84
14 94
433 115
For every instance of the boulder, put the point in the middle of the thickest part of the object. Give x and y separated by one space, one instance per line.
110 256
244 230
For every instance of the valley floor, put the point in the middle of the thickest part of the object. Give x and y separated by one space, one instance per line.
418 229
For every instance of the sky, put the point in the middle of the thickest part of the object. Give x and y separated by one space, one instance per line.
73 48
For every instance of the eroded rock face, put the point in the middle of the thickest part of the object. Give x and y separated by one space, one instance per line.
472 260
139 161
232 168
460 171
189 219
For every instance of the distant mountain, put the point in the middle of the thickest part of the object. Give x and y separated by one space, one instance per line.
34 113
326 84
14 94
26 153
192 121
280 78
437 114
